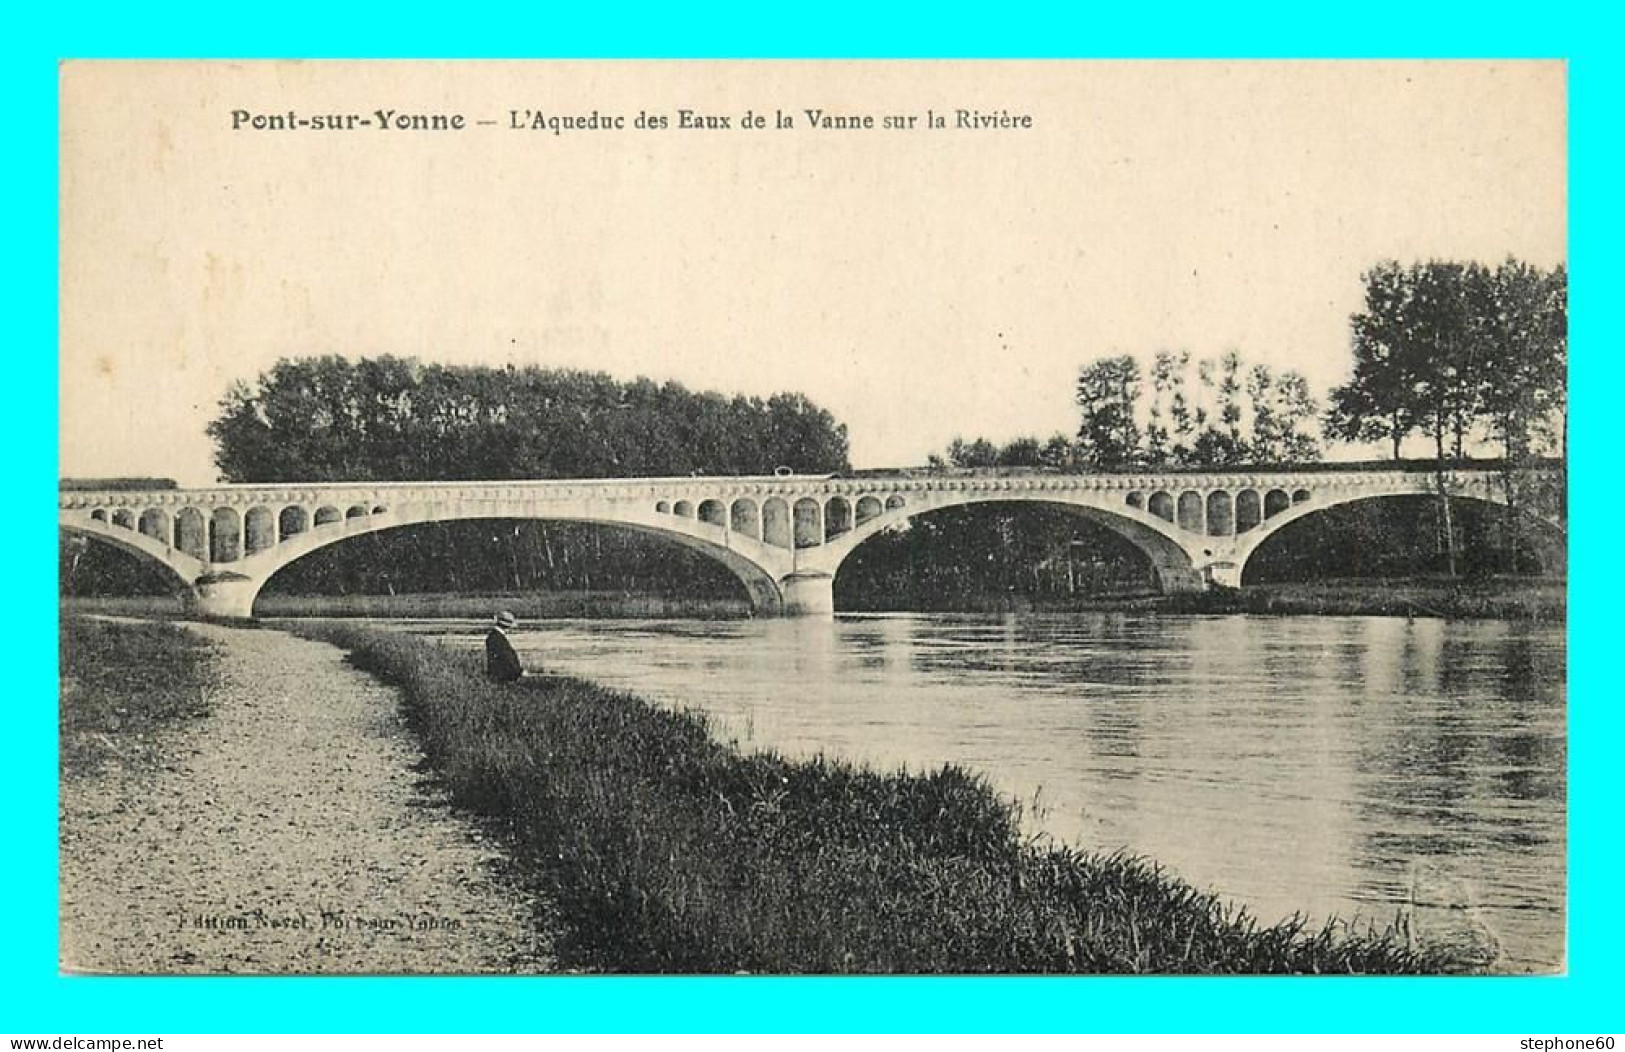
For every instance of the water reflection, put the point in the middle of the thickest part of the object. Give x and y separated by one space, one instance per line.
1355 766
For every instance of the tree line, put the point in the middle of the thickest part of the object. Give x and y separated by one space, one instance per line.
1193 412
333 419
1458 353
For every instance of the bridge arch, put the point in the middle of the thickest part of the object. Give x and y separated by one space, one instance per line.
761 587
178 566
1303 507
1173 565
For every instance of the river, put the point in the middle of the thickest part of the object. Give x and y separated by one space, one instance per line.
1336 766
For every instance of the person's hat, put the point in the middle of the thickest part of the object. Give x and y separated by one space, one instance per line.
505 619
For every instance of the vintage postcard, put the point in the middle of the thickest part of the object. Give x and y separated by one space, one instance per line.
813 517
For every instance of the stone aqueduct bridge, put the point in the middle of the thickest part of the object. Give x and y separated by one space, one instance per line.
784 536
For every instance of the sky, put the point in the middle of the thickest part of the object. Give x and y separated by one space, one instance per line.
920 283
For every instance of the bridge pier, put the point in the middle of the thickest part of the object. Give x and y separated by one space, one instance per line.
223 595
808 595
1178 579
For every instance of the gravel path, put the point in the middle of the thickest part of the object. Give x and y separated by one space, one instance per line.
288 831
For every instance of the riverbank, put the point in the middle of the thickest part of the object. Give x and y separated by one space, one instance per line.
1492 598
236 801
527 606
668 851
1500 598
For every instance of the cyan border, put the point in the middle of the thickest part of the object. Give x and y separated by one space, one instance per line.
34 999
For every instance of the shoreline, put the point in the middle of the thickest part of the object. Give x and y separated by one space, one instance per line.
1539 600
1512 599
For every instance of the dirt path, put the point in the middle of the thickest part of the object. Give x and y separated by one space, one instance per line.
286 832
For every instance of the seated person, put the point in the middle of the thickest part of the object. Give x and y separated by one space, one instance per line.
501 661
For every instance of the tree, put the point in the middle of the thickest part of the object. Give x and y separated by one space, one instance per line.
1266 427
1441 355
1054 453
1281 407
1438 354
1230 402
1376 404
1167 371
1020 453
1522 326
1524 395
1182 419
1218 437
804 436
1058 453
979 453
1107 392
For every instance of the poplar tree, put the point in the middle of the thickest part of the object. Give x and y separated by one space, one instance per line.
1107 393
